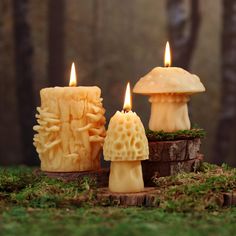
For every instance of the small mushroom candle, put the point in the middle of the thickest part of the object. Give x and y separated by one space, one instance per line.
70 130
125 146
169 89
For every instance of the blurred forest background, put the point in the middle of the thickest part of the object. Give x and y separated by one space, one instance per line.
113 42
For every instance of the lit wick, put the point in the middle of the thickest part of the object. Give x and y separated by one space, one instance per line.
167 58
73 79
127 102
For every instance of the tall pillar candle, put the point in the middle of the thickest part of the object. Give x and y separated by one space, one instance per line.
70 128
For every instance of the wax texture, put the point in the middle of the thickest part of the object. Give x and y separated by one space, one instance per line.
126 176
169 112
125 146
70 130
169 80
126 139
169 89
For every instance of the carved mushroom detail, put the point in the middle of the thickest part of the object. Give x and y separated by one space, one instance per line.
169 89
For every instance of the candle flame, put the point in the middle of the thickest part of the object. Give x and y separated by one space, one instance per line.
73 79
127 103
167 60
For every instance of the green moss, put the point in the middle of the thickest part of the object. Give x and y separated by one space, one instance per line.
196 191
185 192
115 221
177 135
26 187
33 204
15 179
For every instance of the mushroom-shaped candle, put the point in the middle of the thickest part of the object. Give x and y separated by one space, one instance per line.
125 146
169 89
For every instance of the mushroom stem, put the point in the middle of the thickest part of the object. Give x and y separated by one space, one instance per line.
169 112
126 176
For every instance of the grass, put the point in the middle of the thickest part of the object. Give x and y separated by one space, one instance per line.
190 204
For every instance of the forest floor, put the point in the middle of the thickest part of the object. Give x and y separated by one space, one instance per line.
115 221
189 204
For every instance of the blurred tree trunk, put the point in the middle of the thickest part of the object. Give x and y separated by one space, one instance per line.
227 120
183 30
24 78
95 45
56 61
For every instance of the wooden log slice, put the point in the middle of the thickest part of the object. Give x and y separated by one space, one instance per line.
229 199
100 176
178 150
154 169
148 198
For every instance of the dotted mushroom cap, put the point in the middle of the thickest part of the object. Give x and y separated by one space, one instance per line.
126 139
169 80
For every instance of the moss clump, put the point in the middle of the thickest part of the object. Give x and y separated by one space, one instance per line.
15 179
177 135
26 187
198 191
185 192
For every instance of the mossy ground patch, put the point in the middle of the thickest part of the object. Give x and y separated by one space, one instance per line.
34 204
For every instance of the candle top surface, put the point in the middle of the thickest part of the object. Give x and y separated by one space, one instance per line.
169 80
79 90
74 87
70 93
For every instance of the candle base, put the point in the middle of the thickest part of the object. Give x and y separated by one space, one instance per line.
126 177
62 165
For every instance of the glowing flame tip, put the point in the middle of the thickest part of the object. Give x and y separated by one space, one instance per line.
73 79
167 60
127 103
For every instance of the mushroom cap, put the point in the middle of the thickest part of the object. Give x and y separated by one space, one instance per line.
169 80
126 139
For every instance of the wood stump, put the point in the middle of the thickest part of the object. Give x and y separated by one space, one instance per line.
229 199
178 150
100 176
170 158
147 198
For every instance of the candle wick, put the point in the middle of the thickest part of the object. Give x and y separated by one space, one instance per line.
126 110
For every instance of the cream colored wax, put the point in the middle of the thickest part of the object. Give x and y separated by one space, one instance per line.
125 146
70 129
169 89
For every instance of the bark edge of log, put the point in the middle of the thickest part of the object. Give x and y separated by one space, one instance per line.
154 169
176 150
147 198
